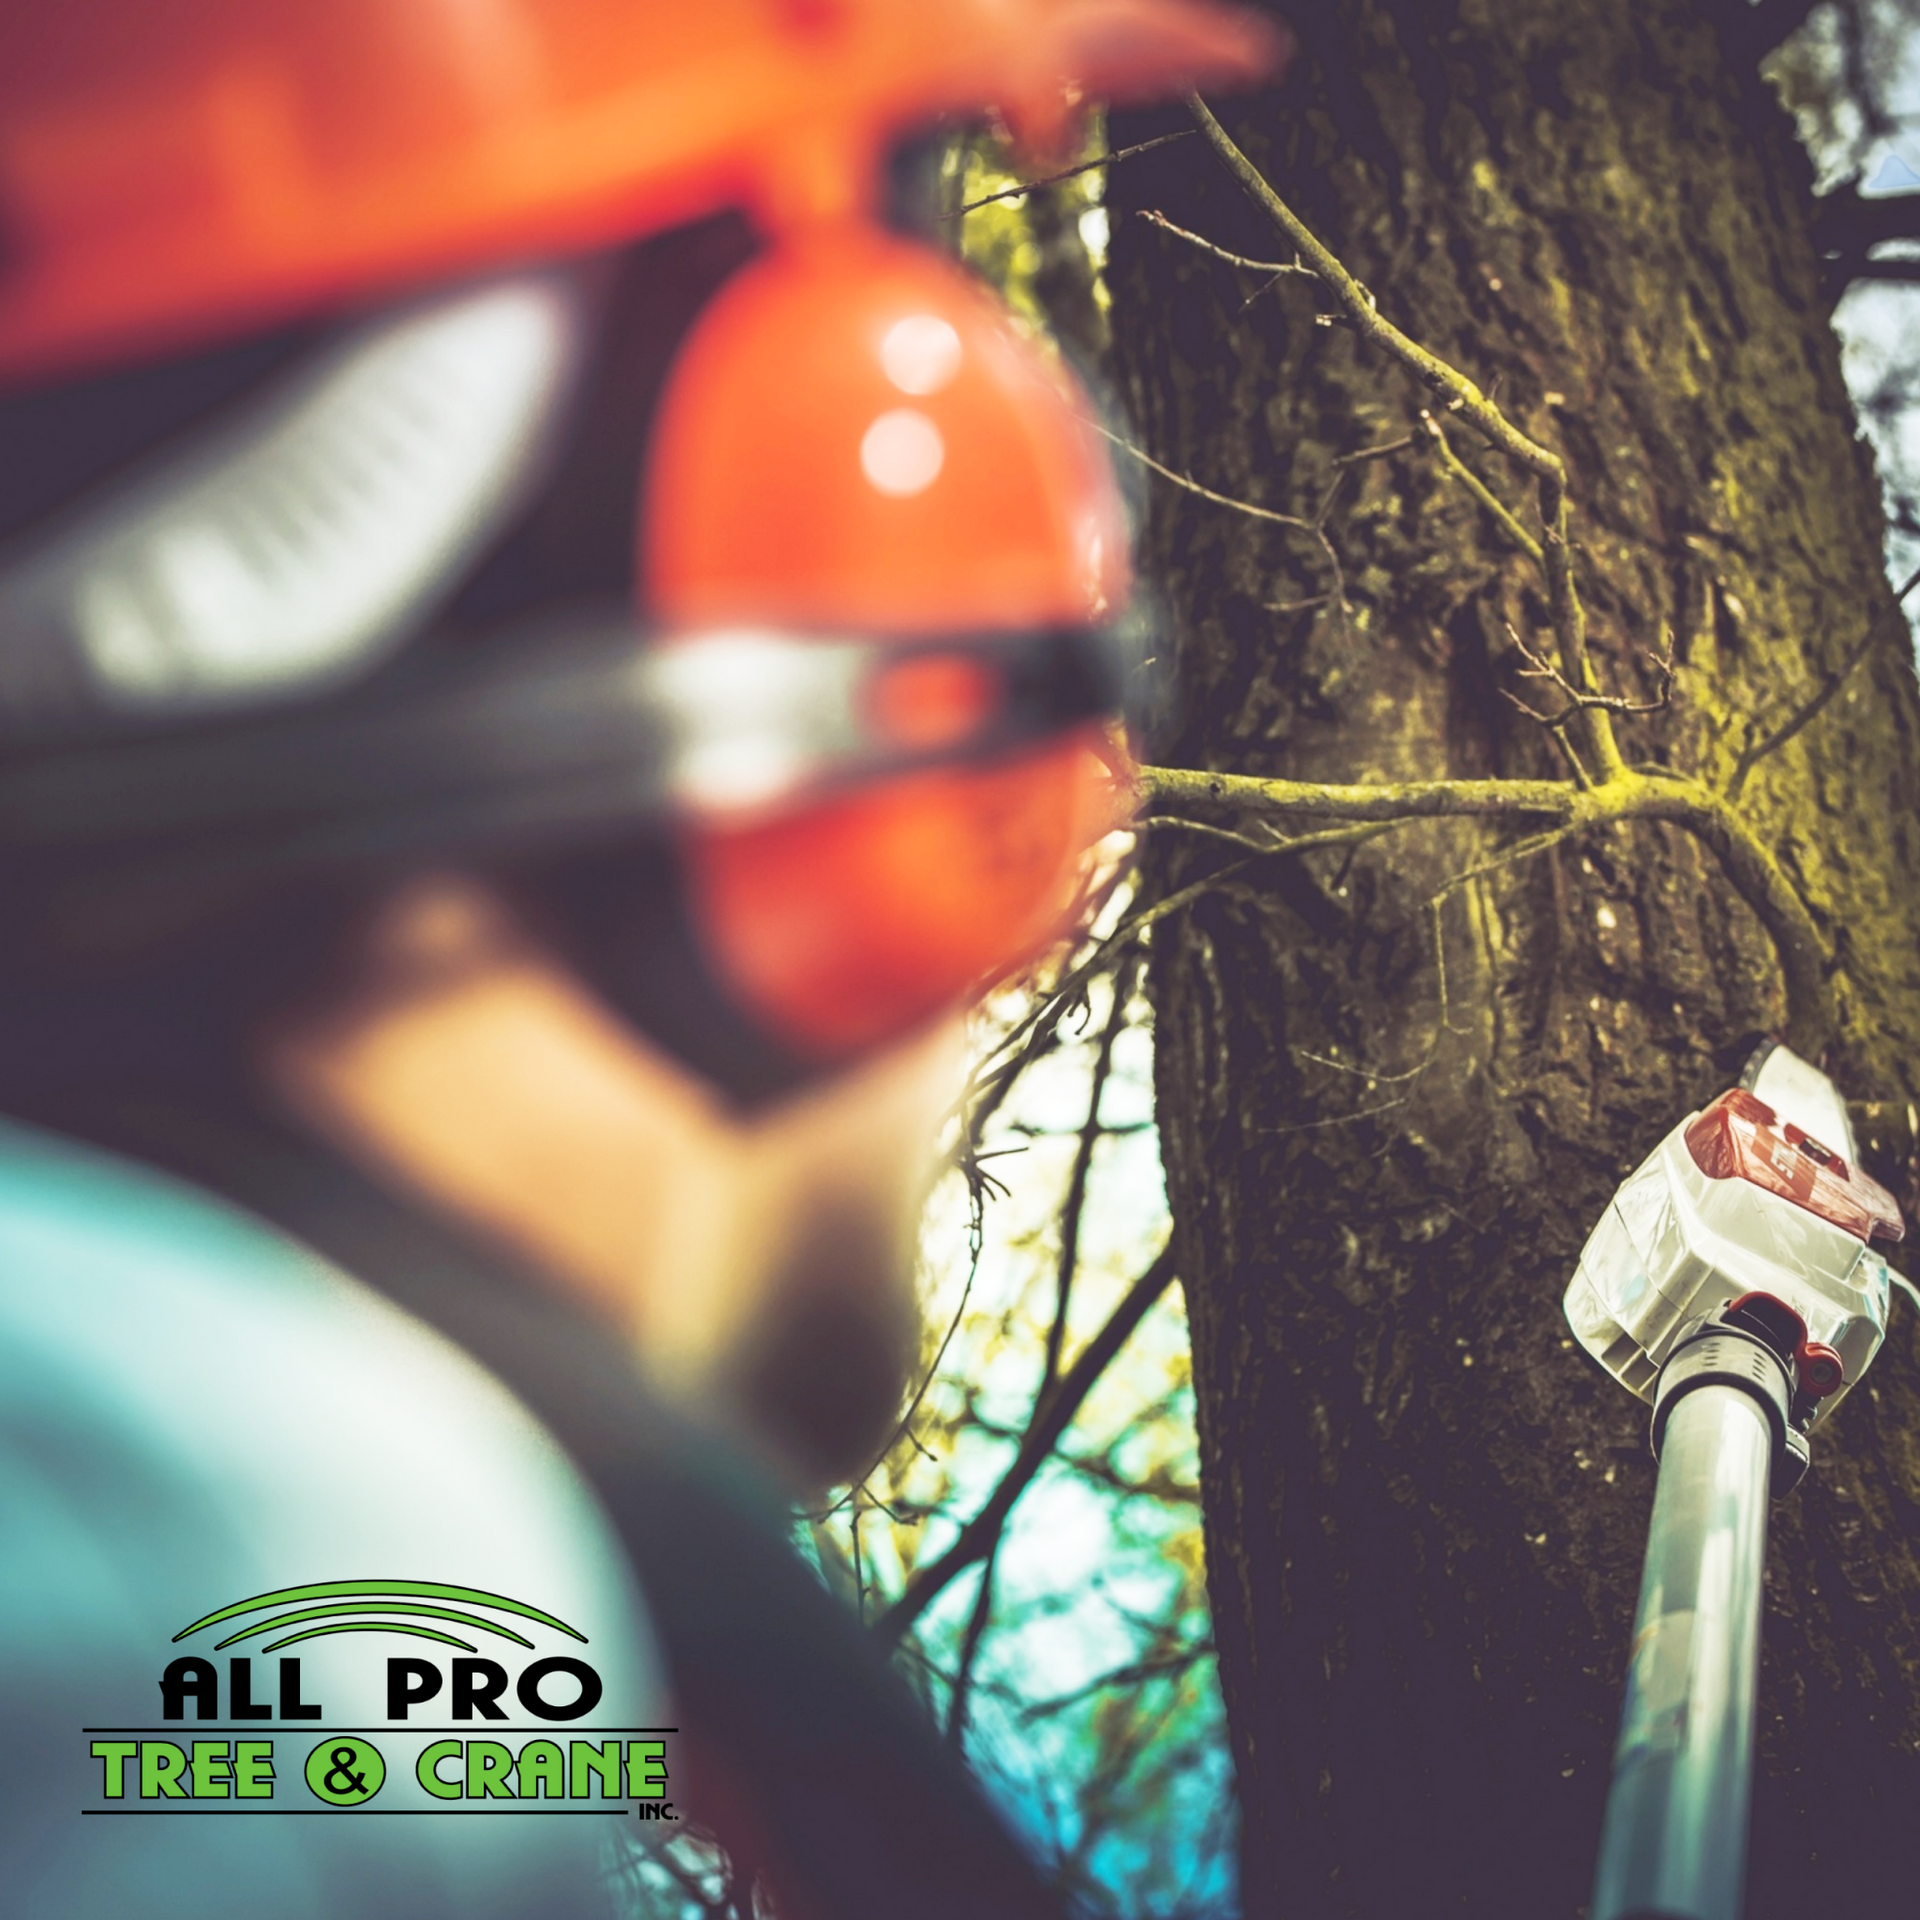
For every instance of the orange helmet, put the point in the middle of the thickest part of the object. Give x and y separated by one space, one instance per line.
172 171
854 438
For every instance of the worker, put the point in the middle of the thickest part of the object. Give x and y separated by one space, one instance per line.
544 652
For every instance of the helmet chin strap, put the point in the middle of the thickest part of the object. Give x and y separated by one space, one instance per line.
304 536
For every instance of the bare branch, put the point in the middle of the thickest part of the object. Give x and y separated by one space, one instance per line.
1629 794
1442 1026
1428 368
979 1536
1035 1035
977 1624
1316 528
859 1572
1380 452
904 1429
1523 849
1027 1039
1507 856
1472 405
1268 842
989 1084
1386 802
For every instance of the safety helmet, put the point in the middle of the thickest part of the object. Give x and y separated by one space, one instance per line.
173 172
879 536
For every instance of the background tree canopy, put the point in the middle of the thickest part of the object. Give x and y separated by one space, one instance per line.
1527 748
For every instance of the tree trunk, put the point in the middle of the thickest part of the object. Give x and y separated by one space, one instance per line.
1425 1509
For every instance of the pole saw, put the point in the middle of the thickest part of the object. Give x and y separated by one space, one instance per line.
1733 1284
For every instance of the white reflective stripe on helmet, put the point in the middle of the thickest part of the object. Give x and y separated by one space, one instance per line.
296 542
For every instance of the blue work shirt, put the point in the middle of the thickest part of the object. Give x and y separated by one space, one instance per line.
196 1411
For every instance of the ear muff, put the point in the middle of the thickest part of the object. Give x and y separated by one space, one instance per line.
855 437
851 921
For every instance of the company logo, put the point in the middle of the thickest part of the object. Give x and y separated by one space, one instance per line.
408 1766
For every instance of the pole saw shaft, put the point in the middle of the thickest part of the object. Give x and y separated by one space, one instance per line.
1732 1283
1674 1843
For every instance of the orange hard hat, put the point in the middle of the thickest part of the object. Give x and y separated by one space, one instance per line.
171 170
856 438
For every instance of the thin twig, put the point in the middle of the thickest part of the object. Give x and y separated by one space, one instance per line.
1442 1026
1076 1199
977 1624
1374 453
1538 667
989 1084
1071 173
1267 843
1507 856
1756 751
1452 465
1473 405
1275 268
1029 1032
1193 486
1337 1119
1523 849
980 1534
859 1573
1315 528
1153 1667
904 1431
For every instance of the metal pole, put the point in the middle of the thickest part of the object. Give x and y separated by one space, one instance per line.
1675 1840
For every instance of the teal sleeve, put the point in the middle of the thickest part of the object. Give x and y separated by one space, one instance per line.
194 1410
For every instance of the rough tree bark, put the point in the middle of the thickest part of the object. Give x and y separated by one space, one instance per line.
1424 1511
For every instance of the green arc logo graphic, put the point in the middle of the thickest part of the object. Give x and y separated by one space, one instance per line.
396 1597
